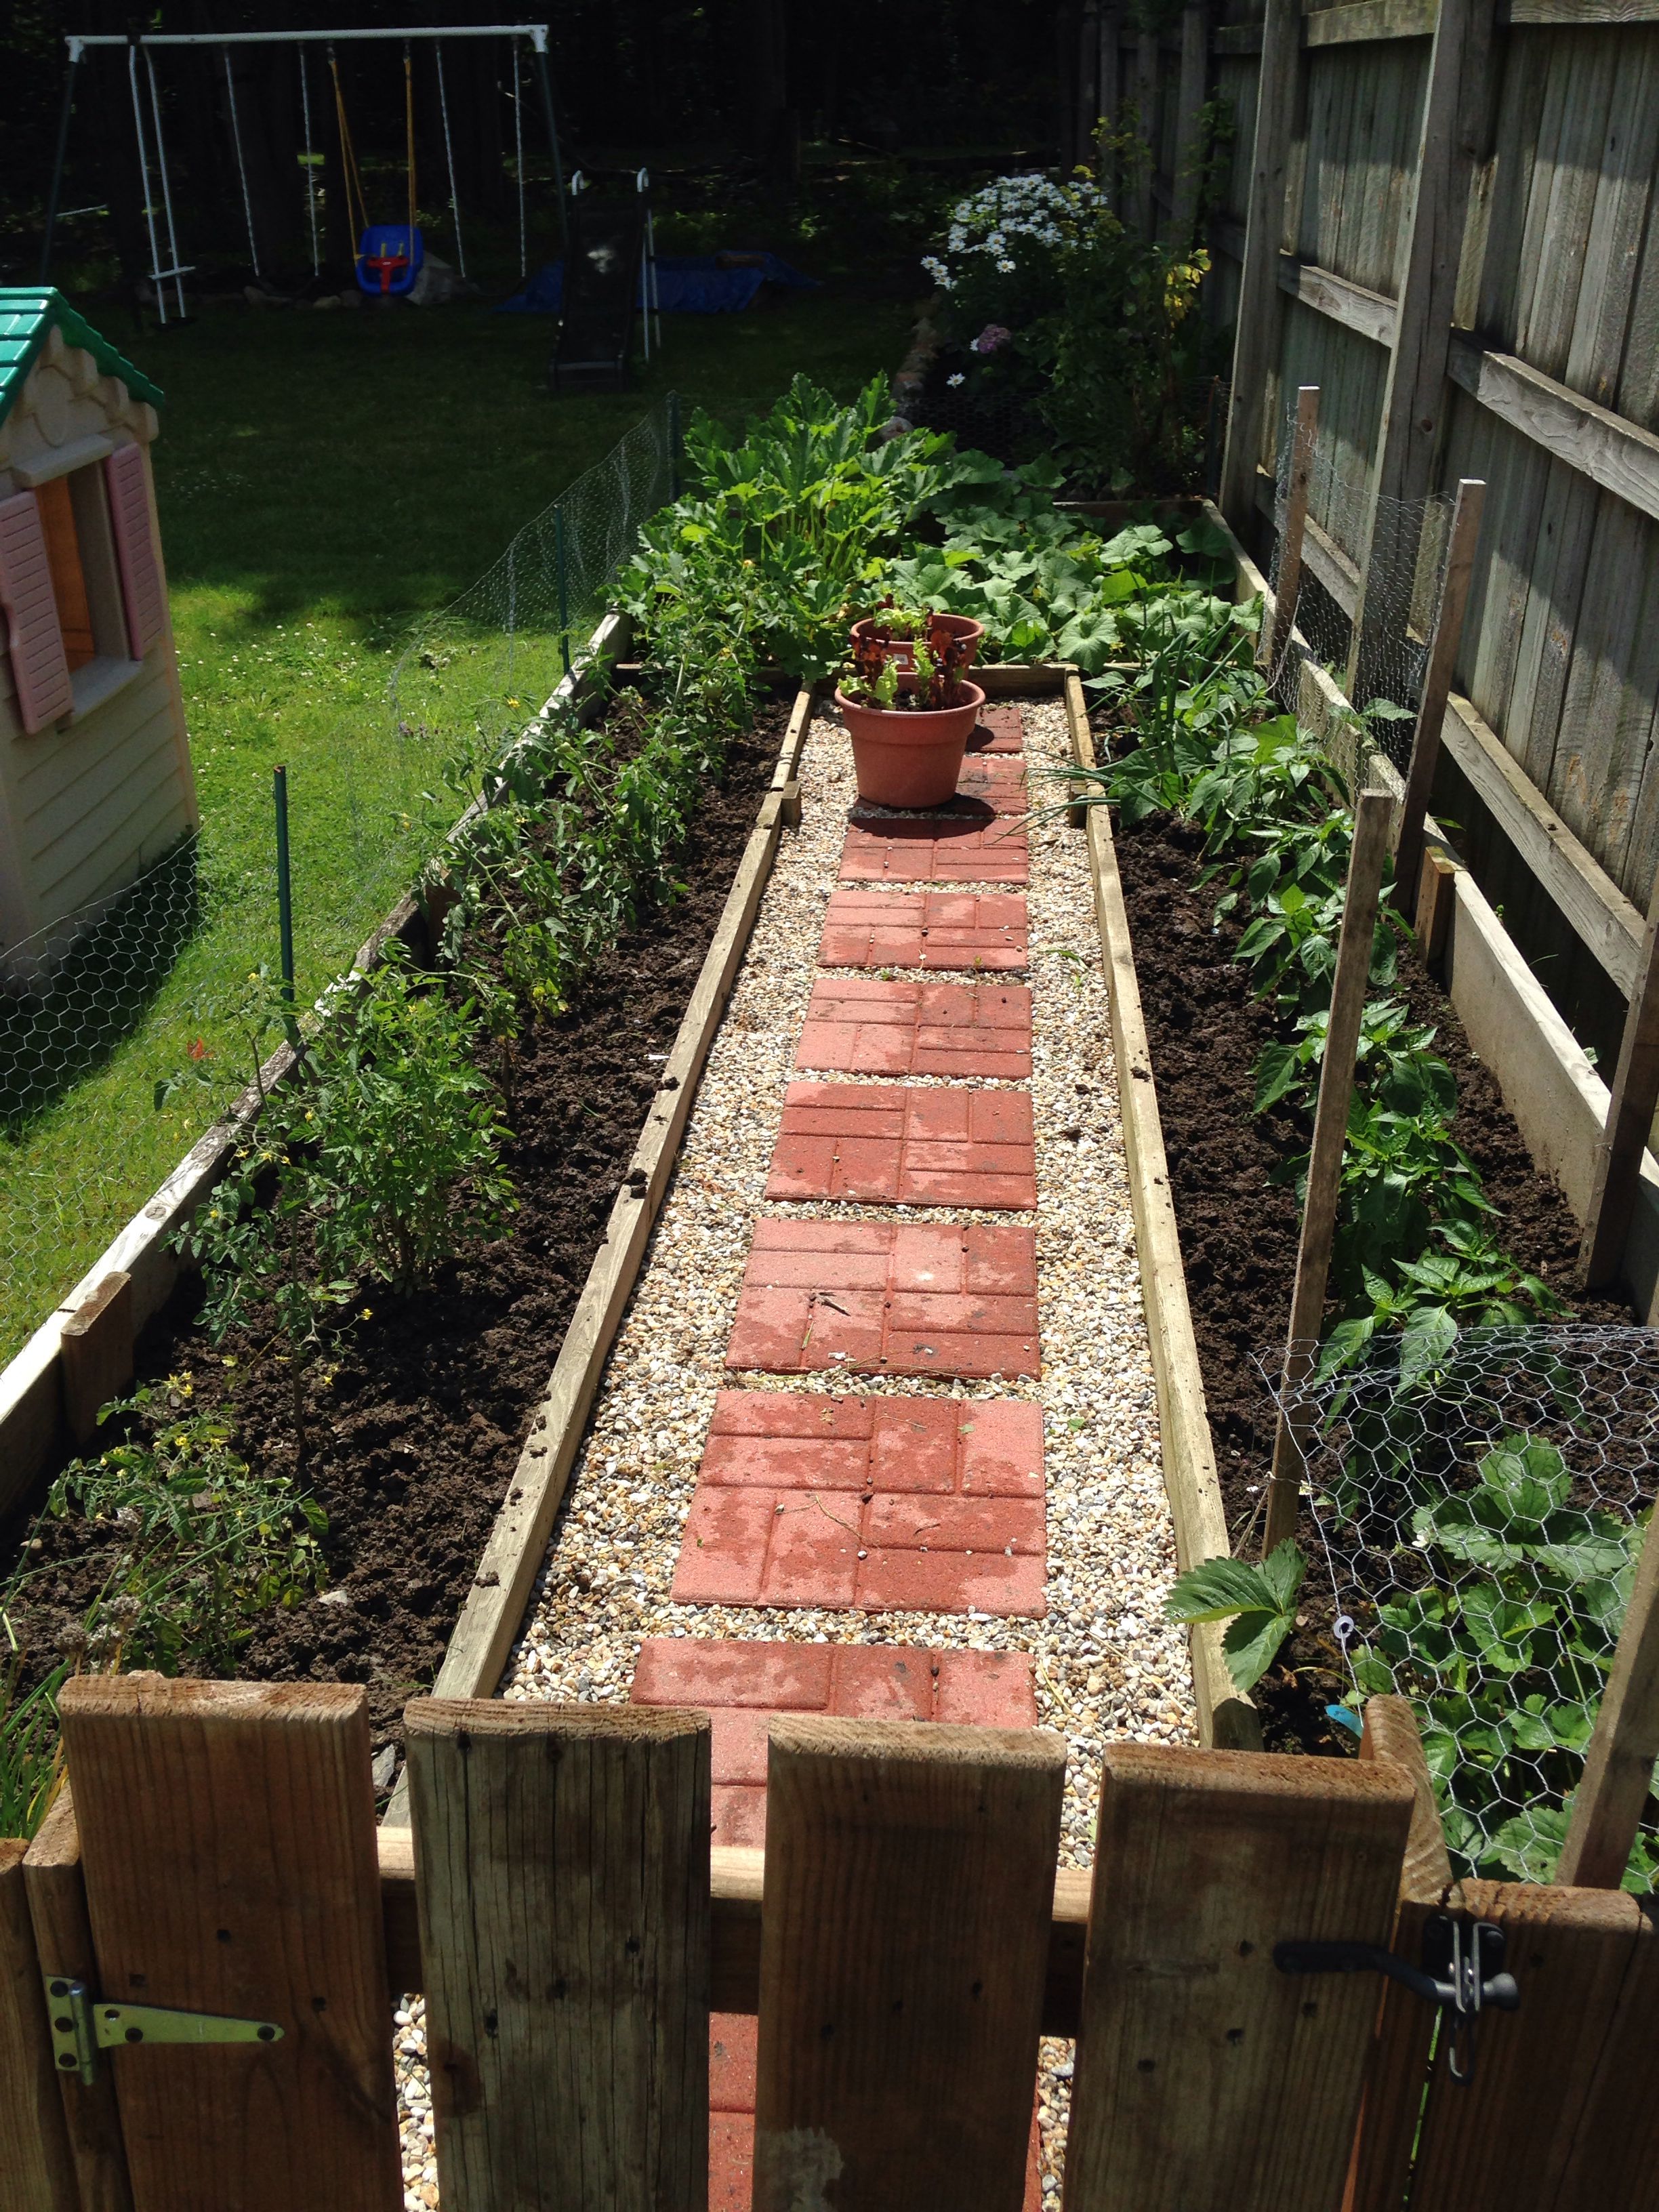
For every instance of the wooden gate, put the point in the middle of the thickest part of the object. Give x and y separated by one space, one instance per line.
905 1939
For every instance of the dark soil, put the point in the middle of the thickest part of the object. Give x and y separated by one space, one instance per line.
414 1428
1239 1225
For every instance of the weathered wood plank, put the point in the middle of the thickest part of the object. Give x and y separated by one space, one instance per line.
1508 2137
1612 1793
909 1872
1604 920
1577 14
36 2171
562 1858
63 1941
1255 345
227 1832
1365 22
1189 106
1591 440
1373 314
1206 2081
1392 2095
1414 397
1443 644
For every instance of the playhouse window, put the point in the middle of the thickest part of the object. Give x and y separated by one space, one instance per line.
68 576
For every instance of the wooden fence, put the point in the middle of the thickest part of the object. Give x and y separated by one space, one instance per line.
905 1938
1442 213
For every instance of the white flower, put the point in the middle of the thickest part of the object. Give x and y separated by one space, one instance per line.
1005 266
958 379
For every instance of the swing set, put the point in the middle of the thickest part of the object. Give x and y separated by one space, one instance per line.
388 257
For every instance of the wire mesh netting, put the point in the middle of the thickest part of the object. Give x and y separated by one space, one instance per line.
128 1027
1481 1499
1402 588
469 675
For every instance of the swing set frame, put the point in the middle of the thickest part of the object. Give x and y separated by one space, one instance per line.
176 271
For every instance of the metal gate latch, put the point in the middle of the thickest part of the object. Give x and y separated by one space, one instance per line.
82 2025
1462 1974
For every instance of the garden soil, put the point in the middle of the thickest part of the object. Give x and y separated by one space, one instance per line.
1239 1221
414 1436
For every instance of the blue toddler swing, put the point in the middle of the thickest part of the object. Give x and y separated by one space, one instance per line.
388 254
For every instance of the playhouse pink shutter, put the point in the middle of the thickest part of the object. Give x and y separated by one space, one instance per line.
40 672
135 547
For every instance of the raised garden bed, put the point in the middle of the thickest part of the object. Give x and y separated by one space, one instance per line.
414 1428
1239 1222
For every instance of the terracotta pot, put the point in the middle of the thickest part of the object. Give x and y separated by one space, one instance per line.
903 649
908 759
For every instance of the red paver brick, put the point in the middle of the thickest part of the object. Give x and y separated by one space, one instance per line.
862 1026
894 1298
881 1144
925 929
936 1507
985 1689
733 2056
999 730
971 845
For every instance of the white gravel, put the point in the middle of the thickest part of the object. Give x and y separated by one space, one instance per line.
1107 1666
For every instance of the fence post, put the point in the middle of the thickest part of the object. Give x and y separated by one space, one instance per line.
1313 1255
1111 97
284 884
1630 1107
1255 342
1287 583
1188 137
1414 397
561 570
1143 214
1437 687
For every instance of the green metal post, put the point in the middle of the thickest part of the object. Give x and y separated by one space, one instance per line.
284 884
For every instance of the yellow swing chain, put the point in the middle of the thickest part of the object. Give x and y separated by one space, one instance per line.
357 217
409 127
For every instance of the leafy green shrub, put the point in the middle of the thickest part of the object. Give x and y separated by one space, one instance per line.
1260 1602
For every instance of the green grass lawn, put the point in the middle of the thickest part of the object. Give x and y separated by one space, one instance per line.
325 480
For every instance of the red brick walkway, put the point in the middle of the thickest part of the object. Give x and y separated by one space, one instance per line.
887 1504
740 1686
923 929
873 1502
898 1299
860 1025
881 1144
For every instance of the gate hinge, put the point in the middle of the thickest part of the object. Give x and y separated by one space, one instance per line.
1461 1975
82 2025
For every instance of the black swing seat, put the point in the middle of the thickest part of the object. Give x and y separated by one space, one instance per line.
601 292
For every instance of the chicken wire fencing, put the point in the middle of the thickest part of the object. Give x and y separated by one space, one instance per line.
130 1027
471 676
1481 1499
1402 590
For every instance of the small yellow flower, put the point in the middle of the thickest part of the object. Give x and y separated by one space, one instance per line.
367 1314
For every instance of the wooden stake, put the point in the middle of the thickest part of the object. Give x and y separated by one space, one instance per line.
1436 683
1437 895
1288 586
1607 1805
1312 1257
1629 1121
95 1354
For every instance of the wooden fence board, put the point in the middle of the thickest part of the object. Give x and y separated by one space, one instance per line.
1204 2078
1559 216
1508 2137
228 1830
36 2171
910 1875
63 1941
1630 152
561 1866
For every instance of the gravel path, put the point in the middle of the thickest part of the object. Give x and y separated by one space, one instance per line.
1106 1666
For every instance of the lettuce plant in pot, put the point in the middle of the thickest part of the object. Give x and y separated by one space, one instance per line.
909 727
894 634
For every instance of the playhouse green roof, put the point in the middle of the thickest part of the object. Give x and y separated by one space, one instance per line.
27 313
